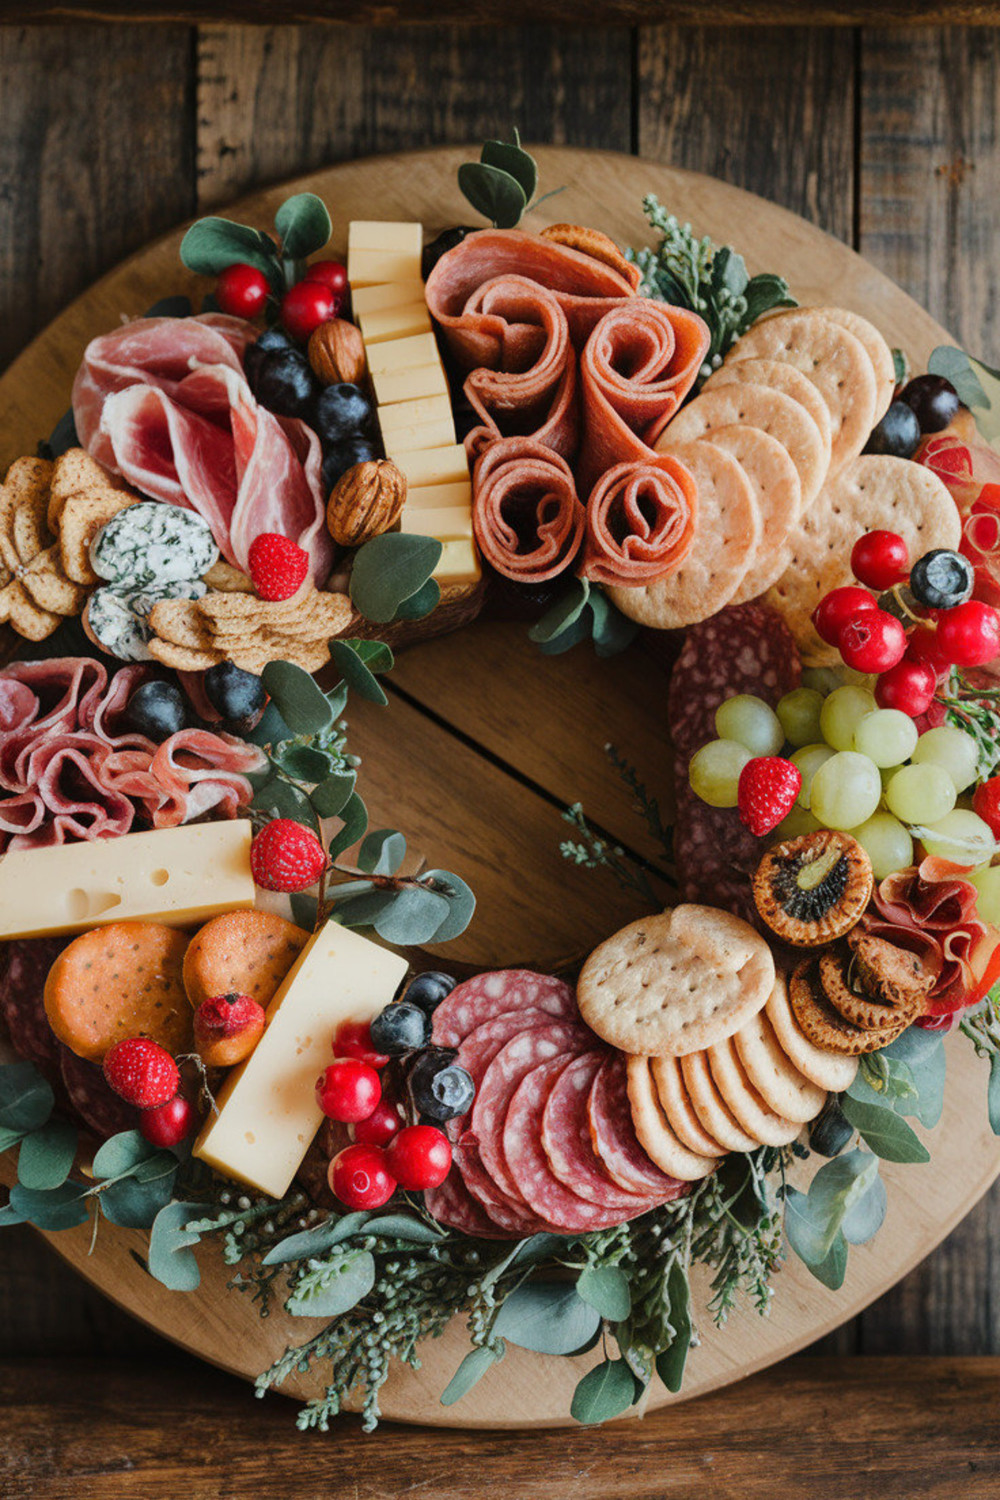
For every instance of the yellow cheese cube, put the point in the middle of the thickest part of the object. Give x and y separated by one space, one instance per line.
406 236
459 563
409 414
373 267
437 434
408 384
394 322
449 524
403 354
372 299
437 496
423 466
268 1113
179 876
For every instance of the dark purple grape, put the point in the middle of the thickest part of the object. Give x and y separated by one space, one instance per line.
933 400
286 385
157 710
342 411
355 450
898 433
446 240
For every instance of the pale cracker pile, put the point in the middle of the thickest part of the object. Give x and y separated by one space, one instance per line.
231 624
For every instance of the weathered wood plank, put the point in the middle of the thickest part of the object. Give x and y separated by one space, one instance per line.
96 157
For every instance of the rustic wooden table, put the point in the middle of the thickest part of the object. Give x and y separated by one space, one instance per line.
888 139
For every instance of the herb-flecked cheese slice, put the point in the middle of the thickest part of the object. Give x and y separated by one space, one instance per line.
118 619
153 543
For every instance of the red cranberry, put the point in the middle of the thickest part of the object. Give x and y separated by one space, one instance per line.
305 306
419 1157
880 559
242 291
835 609
359 1176
348 1090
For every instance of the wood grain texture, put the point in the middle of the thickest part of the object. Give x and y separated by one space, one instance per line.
868 1429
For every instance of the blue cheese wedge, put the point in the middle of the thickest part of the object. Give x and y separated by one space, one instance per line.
153 543
117 619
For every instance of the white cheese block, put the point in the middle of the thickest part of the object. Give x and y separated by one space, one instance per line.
459 563
373 267
372 299
268 1113
178 876
437 434
450 524
409 384
437 496
424 466
406 416
406 236
403 354
394 323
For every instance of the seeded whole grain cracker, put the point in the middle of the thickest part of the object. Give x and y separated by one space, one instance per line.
78 520
725 544
223 578
75 473
246 952
875 347
184 658
778 492
753 1113
48 587
710 1107
833 1071
778 376
873 493
120 981
824 1025
655 1135
772 1073
26 493
19 610
680 1112
676 982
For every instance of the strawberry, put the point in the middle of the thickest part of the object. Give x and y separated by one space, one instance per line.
227 1028
142 1072
285 856
767 791
278 567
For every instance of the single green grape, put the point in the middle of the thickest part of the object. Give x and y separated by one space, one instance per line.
809 759
799 713
886 842
953 750
887 737
962 836
750 722
846 790
714 772
841 714
797 822
987 883
920 794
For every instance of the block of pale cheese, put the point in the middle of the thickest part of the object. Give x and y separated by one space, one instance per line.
459 563
408 384
426 466
178 876
375 267
394 322
437 434
403 354
405 236
384 295
448 524
268 1113
437 496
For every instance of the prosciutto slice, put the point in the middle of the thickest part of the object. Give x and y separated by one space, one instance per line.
930 909
526 513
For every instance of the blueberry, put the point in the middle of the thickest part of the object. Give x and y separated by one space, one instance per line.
344 456
830 1131
941 579
428 990
238 696
286 385
446 240
898 433
933 400
275 338
157 710
342 411
400 1028
440 1088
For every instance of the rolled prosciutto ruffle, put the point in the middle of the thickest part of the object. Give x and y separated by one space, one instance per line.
641 520
526 513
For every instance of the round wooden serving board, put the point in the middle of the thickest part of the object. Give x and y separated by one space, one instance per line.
484 742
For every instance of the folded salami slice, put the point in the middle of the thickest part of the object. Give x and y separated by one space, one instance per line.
453 1205
615 1140
526 513
568 1146
511 1215
498 993
641 520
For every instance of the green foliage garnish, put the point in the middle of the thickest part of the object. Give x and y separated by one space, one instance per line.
982 1027
977 712
710 279
391 572
303 225
501 184
978 386
583 613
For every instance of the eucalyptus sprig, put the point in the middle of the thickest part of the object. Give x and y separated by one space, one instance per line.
502 183
303 226
982 1027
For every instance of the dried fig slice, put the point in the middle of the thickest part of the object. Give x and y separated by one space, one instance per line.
813 889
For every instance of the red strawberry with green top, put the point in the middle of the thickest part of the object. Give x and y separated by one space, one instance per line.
286 856
767 791
278 567
142 1072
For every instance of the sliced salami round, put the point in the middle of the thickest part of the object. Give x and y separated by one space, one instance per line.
567 1144
453 1205
614 1137
511 1215
500 1081
92 1097
22 1009
529 1166
480 1047
487 995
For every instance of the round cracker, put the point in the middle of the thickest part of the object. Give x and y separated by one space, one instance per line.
726 539
655 1135
243 952
828 1070
710 1107
877 350
837 982
673 983
751 1111
778 491
772 1073
782 377
824 1025
759 406
833 359
679 1110
872 494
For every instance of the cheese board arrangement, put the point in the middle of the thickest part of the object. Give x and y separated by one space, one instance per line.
237 1041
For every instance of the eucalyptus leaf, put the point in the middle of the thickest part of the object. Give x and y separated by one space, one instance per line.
305 909
805 1234
403 1227
46 1155
9 1138
412 917
303 223
332 794
356 672
865 1217
573 635
213 244
605 1392
461 904
421 604
915 1045
833 1268
279 799
304 762
311 1242
549 1317
123 1153
888 1136
607 1289
271 729
670 1362
493 192
765 292
301 702
729 273
26 1099
956 366
838 1187
993 1094
133 1203
59 1208
535 1248
352 1279
382 852
389 570
511 157
612 631
354 816
564 613
170 1259
469 1373
362 910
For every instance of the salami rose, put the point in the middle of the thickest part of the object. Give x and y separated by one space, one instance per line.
526 513
641 521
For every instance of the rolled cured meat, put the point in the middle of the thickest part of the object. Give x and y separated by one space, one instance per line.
641 520
526 513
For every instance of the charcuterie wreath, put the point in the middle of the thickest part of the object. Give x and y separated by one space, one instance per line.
218 1039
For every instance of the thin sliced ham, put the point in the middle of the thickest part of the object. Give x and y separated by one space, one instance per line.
641 519
526 513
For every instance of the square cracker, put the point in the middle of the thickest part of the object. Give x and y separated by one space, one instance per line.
79 520
25 509
49 588
17 607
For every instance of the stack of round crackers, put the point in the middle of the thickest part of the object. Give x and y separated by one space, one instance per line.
717 1060
774 442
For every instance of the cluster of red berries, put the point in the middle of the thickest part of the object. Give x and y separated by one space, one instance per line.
955 630
145 1075
244 292
386 1153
